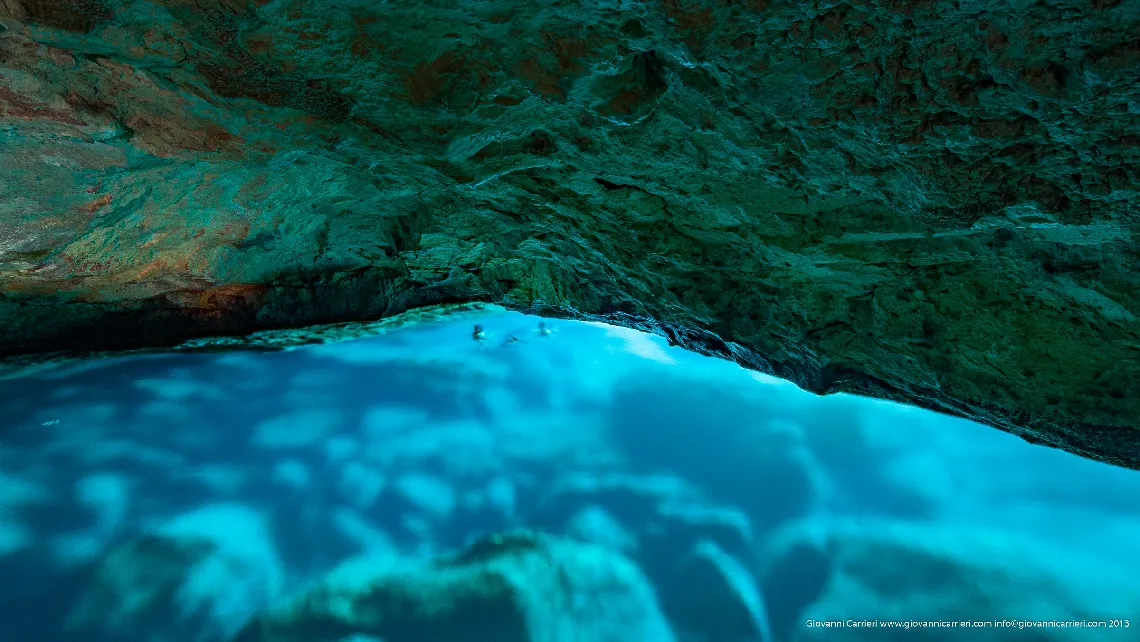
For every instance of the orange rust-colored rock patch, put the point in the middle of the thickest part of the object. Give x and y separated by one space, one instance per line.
933 202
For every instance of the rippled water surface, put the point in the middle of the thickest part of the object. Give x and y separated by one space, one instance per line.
577 483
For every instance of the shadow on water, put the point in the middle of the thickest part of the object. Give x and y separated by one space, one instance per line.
734 447
796 580
840 445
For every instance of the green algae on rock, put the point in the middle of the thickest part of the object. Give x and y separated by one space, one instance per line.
513 587
262 341
933 201
195 577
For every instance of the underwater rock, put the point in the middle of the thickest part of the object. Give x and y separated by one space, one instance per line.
292 473
739 455
619 509
297 430
669 513
361 484
593 524
796 576
680 526
657 520
15 494
933 202
517 587
713 596
368 537
198 577
729 527
893 571
502 495
430 494
132 584
632 499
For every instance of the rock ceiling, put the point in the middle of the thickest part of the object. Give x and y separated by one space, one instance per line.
933 201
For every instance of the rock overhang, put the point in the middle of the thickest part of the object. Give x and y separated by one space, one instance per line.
933 202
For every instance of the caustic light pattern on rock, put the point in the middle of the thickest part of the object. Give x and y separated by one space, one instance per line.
928 201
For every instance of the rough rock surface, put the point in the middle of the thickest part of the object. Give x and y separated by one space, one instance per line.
925 574
195 578
516 587
717 595
932 200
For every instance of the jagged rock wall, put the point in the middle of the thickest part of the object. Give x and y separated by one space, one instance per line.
930 200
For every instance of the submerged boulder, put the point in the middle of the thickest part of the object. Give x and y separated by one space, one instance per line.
713 596
884 581
657 519
197 578
593 524
633 500
518 587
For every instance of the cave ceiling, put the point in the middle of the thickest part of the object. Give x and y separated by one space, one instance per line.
932 201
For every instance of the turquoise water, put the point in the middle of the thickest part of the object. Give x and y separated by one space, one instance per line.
668 495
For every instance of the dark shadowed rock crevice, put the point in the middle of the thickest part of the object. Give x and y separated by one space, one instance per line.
929 201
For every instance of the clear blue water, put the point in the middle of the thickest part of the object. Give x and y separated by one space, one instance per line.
174 497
